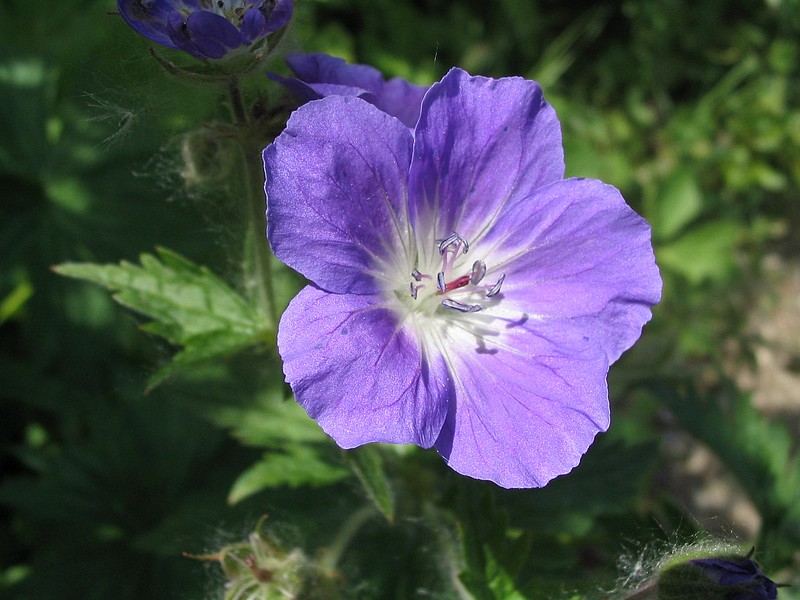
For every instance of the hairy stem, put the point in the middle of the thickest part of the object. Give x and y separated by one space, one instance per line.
257 256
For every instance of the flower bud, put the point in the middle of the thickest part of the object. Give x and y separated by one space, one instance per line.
722 577
257 569
208 158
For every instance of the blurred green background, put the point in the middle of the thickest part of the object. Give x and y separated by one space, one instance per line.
692 109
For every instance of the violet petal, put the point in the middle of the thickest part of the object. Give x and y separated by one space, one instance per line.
335 183
357 374
576 250
529 399
481 145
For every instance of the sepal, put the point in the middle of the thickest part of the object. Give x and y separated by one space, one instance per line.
259 569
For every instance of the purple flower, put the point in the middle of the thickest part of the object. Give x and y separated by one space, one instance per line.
206 29
320 75
740 576
464 295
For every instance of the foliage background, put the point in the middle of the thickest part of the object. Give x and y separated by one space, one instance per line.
692 109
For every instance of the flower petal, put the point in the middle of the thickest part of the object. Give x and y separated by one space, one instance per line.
254 25
147 18
306 92
401 99
576 250
320 75
265 18
322 68
481 145
336 190
528 402
279 15
204 34
357 374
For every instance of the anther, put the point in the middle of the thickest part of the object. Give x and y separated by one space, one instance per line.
460 306
496 287
416 274
414 289
440 282
478 271
451 240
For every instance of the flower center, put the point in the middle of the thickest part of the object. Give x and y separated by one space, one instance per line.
233 10
458 292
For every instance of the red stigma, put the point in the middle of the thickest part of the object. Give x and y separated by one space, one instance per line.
455 284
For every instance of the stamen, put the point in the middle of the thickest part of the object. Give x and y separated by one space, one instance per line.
450 239
478 271
453 240
450 249
496 287
460 306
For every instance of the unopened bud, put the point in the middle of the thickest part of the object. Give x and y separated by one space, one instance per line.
722 577
208 157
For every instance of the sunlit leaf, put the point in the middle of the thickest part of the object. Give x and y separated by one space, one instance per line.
190 306
704 252
679 203
299 465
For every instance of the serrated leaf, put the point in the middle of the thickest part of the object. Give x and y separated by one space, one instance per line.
367 464
296 466
200 348
270 421
189 305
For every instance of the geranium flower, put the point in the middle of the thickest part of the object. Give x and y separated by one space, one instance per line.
463 294
320 75
206 29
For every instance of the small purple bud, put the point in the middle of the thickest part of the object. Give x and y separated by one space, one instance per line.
727 577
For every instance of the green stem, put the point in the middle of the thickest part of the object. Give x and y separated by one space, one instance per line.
257 256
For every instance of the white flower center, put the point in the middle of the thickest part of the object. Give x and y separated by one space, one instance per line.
453 287
233 10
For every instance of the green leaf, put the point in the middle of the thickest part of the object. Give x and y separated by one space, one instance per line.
189 306
268 422
704 252
367 464
679 203
492 554
296 466
608 481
